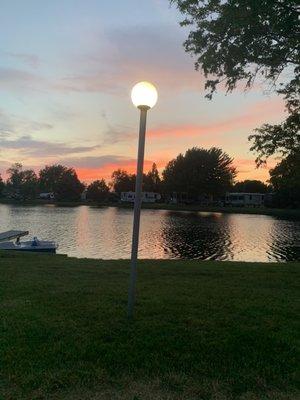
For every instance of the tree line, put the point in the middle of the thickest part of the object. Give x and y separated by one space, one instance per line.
198 173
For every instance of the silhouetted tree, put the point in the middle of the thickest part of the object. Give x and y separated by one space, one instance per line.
2 186
237 40
250 186
122 181
200 172
97 191
152 181
285 181
21 184
62 181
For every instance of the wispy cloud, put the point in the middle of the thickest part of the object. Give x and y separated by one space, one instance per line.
131 54
17 79
39 148
31 60
116 133
11 124
97 161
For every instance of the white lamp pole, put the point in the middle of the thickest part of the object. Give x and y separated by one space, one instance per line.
144 97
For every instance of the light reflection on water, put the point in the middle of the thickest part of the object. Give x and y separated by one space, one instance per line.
106 233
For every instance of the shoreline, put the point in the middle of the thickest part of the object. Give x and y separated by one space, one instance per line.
275 212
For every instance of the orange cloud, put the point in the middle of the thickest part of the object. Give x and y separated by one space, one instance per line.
105 171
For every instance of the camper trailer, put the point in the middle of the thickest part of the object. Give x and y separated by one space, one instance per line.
244 199
147 197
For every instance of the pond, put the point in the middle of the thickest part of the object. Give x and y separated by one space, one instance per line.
106 233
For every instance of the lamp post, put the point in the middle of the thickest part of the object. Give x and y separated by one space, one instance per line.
144 97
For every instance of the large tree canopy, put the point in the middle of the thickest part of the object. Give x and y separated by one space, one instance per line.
21 184
199 172
122 181
62 181
237 40
97 191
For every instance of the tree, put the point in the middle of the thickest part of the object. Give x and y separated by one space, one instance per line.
199 172
250 186
50 177
21 184
2 186
285 181
152 181
237 40
97 191
62 181
122 181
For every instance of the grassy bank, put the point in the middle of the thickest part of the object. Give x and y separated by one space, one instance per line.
277 212
202 330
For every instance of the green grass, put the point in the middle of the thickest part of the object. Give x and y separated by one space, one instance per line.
202 330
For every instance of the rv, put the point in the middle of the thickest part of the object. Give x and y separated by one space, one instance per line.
245 199
147 197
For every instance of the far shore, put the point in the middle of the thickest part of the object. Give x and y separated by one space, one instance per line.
293 213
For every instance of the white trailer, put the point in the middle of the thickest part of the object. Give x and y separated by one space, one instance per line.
245 199
147 197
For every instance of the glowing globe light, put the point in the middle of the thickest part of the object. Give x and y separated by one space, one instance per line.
144 95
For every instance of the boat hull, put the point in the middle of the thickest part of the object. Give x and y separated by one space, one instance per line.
39 247
37 250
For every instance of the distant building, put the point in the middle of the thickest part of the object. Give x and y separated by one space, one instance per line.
245 199
147 197
47 196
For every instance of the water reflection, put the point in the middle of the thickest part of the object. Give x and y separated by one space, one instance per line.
197 235
285 242
106 233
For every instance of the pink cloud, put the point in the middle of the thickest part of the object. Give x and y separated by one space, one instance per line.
258 114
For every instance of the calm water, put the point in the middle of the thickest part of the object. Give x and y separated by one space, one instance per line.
106 233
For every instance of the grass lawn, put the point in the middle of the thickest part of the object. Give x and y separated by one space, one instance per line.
202 330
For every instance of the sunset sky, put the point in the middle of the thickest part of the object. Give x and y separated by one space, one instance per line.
66 71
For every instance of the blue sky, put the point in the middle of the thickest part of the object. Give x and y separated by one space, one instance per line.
66 71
